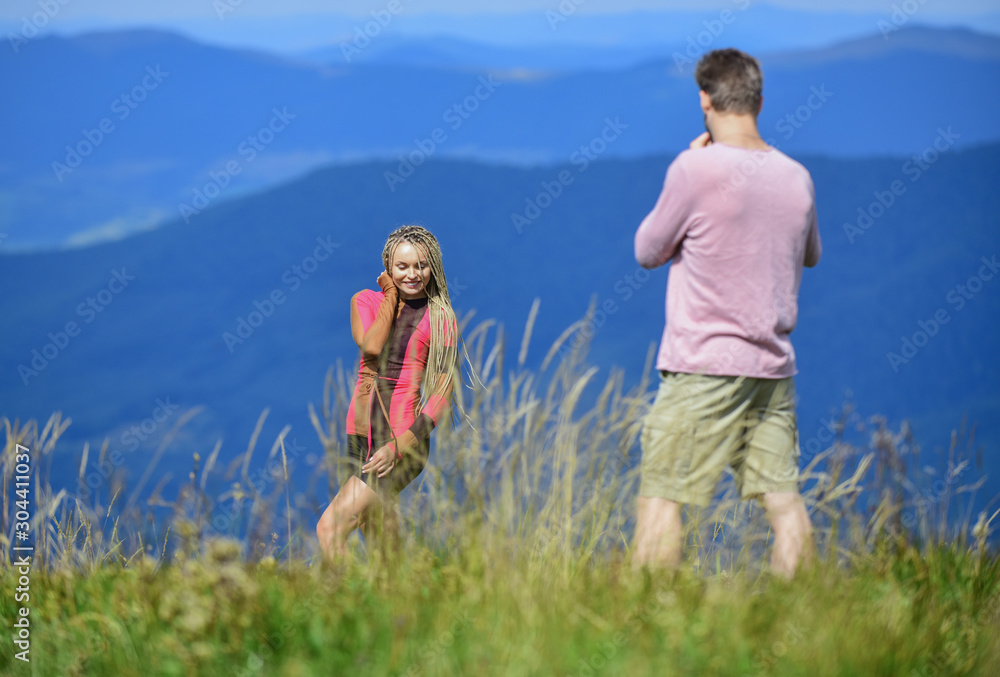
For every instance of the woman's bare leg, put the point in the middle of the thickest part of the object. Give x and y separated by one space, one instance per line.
380 527
345 513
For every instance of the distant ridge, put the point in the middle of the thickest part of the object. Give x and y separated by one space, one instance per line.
761 27
960 42
109 44
182 133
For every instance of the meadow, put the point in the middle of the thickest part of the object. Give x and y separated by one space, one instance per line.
513 556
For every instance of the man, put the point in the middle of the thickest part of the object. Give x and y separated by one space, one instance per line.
738 219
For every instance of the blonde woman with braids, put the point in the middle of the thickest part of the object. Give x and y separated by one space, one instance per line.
408 337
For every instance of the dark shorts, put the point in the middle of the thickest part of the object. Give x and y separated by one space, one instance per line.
402 474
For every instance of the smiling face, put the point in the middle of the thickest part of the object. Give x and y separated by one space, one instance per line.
410 271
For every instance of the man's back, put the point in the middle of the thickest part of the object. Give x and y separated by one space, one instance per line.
739 225
738 218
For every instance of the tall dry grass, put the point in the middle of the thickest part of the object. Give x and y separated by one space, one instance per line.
541 469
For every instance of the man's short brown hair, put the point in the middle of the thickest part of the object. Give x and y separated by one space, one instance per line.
732 80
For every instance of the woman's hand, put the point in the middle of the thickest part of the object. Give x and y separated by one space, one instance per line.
381 462
385 282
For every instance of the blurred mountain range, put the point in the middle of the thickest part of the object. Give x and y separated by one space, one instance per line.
131 126
644 34
246 306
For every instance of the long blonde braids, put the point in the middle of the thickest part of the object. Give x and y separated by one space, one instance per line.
441 357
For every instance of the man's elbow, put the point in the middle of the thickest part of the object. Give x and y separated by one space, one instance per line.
812 260
647 258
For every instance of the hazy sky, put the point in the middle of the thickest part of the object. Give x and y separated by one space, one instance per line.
177 9
296 26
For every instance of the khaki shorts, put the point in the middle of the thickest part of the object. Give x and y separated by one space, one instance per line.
698 424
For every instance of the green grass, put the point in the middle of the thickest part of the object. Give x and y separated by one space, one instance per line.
461 613
513 559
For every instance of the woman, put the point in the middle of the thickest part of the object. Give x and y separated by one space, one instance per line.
408 338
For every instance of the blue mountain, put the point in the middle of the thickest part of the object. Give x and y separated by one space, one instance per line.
131 127
900 316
